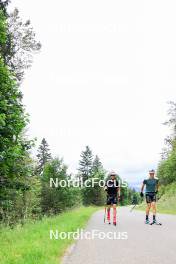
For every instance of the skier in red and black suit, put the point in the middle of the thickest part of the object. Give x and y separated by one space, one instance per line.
113 195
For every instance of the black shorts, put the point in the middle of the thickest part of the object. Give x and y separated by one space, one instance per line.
111 199
150 197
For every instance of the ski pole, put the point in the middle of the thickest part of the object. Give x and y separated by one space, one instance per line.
133 208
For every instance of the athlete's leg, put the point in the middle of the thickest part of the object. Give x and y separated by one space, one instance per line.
154 210
108 203
108 212
153 205
148 209
148 201
147 213
114 213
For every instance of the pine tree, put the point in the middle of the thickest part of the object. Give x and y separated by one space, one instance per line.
3 6
55 200
97 165
97 194
20 44
43 155
86 163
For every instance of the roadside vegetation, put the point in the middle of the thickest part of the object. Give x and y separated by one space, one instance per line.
32 244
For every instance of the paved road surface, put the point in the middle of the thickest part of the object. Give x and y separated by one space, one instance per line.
145 244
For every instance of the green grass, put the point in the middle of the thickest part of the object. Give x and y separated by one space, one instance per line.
31 244
167 202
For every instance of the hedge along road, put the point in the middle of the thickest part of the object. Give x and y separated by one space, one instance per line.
144 244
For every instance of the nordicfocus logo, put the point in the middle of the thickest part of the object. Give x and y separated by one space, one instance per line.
55 183
89 235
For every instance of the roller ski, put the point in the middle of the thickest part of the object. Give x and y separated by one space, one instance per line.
154 222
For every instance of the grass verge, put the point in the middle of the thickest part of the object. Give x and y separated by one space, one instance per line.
31 244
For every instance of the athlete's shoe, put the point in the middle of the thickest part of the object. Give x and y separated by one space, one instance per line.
147 221
114 223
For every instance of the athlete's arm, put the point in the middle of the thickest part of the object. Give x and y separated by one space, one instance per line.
142 188
106 187
157 186
119 192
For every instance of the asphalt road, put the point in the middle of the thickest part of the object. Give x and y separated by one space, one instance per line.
144 244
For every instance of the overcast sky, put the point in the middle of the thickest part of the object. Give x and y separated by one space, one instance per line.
102 78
